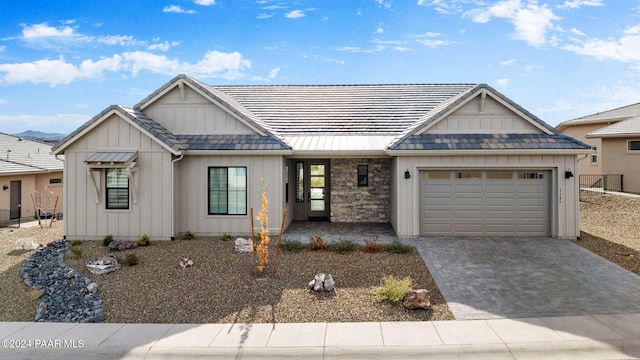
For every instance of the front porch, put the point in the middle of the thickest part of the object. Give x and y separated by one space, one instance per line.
334 231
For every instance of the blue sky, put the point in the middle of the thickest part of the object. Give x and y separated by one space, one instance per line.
62 62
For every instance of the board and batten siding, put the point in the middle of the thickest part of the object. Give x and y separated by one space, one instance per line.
494 119
152 215
564 192
192 199
194 115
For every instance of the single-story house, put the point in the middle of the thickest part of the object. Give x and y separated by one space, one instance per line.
579 128
430 159
26 166
620 144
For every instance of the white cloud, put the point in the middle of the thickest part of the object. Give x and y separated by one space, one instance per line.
163 46
2 48
3 101
383 3
509 62
55 72
576 32
272 75
503 82
379 29
623 49
122 40
357 49
177 9
445 6
530 20
81 105
205 2
44 30
576 4
430 39
264 16
294 14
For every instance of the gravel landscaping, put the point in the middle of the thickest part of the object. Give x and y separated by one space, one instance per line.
221 287
610 227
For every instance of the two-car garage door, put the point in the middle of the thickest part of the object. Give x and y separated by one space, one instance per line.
485 202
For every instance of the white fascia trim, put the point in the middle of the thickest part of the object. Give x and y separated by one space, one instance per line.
237 152
618 135
489 152
344 154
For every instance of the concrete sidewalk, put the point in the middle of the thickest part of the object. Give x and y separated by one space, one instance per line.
579 337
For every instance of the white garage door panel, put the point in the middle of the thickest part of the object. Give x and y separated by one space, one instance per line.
500 203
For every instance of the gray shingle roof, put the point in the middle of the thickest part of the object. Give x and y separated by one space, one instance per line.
626 128
613 115
341 109
18 155
112 156
230 142
487 142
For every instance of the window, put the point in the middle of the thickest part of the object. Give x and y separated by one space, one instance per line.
363 175
117 188
437 175
286 183
530 175
469 175
55 181
227 191
594 156
299 182
633 145
499 175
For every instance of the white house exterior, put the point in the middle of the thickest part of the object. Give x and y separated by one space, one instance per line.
452 159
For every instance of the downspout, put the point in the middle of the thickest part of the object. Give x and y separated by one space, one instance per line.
173 191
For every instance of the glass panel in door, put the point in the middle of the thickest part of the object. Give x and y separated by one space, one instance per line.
317 190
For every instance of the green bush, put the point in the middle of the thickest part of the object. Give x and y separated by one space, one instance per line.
397 247
392 290
188 235
144 240
76 242
107 240
226 237
292 245
131 259
316 243
343 246
76 251
371 245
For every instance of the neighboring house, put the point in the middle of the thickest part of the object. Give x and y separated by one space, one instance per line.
620 144
458 159
27 166
580 127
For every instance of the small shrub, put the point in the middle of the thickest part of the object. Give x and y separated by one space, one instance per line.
392 290
76 242
131 259
76 251
371 245
35 294
343 246
144 240
397 247
226 237
107 240
292 245
188 235
316 243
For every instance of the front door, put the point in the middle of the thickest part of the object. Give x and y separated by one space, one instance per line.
317 190
15 199
312 190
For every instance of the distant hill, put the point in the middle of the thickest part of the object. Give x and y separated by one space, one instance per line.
40 136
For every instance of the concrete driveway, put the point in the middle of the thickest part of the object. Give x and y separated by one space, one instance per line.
489 278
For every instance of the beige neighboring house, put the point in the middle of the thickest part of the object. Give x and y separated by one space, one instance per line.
430 159
580 127
27 166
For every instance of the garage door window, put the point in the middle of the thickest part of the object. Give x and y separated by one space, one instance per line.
469 175
437 175
530 175
499 175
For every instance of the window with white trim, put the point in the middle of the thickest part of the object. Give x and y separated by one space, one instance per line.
117 188
594 156
227 191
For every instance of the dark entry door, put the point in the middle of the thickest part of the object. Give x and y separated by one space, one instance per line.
15 200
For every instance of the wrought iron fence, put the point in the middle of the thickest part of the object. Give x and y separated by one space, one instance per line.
595 184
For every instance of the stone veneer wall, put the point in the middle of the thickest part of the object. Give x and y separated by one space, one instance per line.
353 203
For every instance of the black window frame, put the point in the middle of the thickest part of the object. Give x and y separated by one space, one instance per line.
226 191
363 175
109 189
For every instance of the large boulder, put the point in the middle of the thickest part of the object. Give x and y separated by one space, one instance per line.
322 283
244 245
417 300
120 245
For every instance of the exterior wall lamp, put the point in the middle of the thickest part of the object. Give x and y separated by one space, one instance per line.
407 174
5 187
568 174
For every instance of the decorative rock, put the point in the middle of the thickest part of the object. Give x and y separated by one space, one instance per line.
186 262
120 245
26 244
417 300
322 282
93 287
103 265
244 245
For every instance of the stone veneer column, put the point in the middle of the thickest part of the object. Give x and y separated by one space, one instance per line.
353 203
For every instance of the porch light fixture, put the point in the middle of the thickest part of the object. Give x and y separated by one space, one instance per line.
5 187
407 174
568 174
